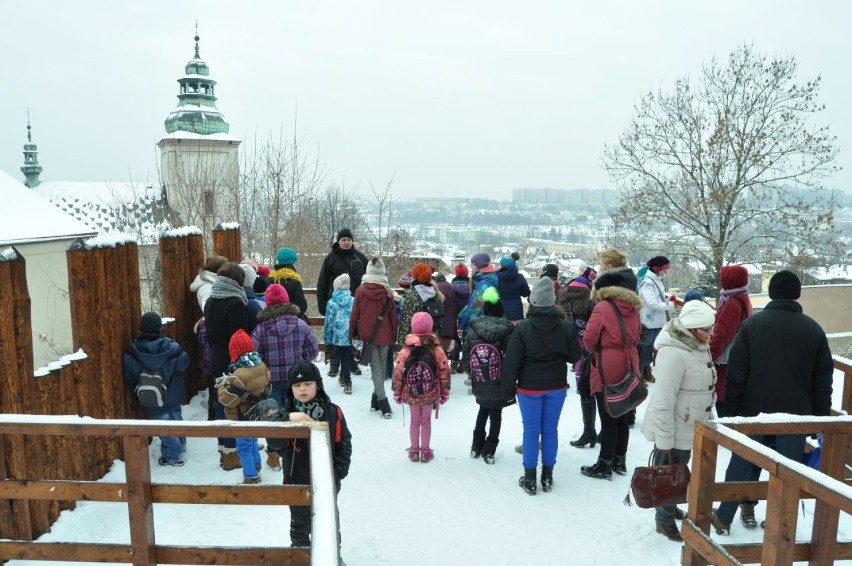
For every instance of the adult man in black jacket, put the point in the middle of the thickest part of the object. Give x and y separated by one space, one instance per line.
779 363
343 258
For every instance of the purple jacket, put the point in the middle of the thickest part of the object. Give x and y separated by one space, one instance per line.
450 312
461 288
281 339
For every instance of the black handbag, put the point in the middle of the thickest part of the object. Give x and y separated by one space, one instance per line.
364 353
630 392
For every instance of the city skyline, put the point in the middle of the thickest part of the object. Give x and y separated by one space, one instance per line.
448 100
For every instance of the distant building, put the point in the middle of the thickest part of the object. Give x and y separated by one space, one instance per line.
563 196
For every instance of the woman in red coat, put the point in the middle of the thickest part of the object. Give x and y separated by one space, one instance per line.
610 354
732 309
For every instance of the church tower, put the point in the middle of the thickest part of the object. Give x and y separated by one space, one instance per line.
31 168
199 159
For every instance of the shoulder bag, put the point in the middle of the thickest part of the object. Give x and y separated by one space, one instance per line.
656 486
627 394
363 350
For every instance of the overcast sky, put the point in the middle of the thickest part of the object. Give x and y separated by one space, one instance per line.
453 98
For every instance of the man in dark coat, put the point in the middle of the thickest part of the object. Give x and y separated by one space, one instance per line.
343 258
779 363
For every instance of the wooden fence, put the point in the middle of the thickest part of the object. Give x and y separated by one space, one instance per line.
141 494
789 482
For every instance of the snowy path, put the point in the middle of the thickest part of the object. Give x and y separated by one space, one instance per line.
452 509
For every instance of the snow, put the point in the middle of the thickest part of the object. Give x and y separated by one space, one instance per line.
181 135
183 231
60 363
228 226
27 217
110 240
8 254
453 509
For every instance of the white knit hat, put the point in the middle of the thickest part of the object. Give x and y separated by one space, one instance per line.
376 267
342 282
697 314
251 275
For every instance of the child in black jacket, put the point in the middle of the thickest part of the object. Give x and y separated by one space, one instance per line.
307 401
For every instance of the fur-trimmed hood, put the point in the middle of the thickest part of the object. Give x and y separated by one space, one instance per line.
278 310
675 335
617 293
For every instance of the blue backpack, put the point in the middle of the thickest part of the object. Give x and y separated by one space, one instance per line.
421 371
486 362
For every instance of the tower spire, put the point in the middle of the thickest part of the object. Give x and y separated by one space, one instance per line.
197 56
31 168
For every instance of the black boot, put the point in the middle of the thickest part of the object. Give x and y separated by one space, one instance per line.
476 445
488 450
547 479
589 436
619 464
527 481
384 407
374 403
601 470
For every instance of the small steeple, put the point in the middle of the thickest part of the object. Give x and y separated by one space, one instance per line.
31 168
196 111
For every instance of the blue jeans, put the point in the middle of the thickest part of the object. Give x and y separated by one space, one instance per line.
790 445
540 415
249 456
171 447
646 347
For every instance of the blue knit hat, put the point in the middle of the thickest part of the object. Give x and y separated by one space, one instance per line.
286 256
692 295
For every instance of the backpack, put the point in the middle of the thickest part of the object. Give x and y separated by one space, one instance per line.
268 410
420 374
486 362
435 309
151 389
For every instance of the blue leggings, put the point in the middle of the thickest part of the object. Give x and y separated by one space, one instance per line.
540 414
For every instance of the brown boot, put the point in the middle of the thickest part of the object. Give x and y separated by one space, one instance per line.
231 460
273 460
648 376
251 481
670 532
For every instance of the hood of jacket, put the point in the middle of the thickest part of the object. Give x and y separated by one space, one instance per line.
676 336
155 353
545 318
492 329
280 309
426 292
625 295
507 272
203 278
375 291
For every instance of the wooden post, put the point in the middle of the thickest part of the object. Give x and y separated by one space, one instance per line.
140 501
782 509
16 370
226 241
700 493
181 256
826 517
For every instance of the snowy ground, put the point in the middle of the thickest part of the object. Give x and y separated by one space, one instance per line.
454 508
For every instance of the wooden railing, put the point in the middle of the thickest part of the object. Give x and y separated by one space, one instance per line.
789 482
140 493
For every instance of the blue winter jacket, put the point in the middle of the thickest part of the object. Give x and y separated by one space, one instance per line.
253 307
338 311
157 352
512 286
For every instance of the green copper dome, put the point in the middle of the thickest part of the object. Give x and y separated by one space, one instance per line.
196 111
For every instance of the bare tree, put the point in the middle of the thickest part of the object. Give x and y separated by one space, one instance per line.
726 167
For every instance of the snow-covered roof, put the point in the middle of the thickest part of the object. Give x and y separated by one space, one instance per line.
25 216
181 135
833 273
113 208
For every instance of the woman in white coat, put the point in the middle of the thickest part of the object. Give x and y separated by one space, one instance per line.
684 393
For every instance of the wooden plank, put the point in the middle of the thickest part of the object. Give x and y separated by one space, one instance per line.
700 493
99 427
6 517
16 467
701 549
807 425
827 517
112 553
782 509
140 501
751 553
721 436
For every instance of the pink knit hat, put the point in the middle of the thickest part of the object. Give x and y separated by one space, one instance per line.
275 295
421 323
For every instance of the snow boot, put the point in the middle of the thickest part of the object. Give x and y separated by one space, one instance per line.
721 528
476 445
670 532
601 470
251 481
619 464
347 388
231 460
374 403
384 406
414 454
488 450
589 436
527 481
547 479
426 455
747 514
647 376
273 460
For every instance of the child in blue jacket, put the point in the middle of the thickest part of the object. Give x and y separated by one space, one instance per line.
338 310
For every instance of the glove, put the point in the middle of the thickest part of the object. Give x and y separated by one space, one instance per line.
444 398
397 397
677 302
222 381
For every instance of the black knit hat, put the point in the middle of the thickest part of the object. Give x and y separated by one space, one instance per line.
619 277
785 285
304 371
550 270
152 323
344 233
658 263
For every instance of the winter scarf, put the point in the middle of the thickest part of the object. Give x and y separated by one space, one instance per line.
285 273
247 360
312 408
227 288
726 295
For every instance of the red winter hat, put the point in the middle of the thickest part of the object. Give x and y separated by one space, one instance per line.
263 270
733 276
422 273
240 344
275 295
461 270
405 280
